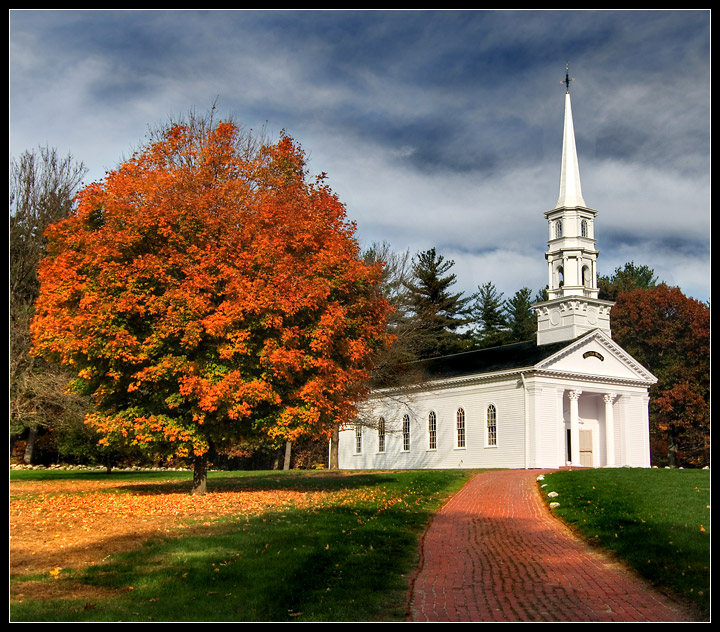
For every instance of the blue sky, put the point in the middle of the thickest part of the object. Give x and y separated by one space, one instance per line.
436 128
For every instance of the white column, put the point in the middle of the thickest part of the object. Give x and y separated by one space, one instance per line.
609 429
551 280
574 428
578 271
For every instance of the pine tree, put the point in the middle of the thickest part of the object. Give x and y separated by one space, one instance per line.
489 314
438 314
521 320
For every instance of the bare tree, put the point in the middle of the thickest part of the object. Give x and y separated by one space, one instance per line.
397 272
42 188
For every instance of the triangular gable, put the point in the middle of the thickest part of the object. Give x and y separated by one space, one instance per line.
597 355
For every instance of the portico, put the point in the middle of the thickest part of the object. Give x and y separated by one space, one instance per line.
590 429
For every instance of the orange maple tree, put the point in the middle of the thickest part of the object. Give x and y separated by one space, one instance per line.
669 333
204 293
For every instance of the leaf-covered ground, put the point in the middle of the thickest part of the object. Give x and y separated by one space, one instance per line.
61 525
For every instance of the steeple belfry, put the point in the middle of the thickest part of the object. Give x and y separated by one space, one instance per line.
573 307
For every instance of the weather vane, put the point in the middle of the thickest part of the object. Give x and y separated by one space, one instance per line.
567 78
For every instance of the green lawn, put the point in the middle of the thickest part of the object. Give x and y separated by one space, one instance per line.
349 555
657 520
347 558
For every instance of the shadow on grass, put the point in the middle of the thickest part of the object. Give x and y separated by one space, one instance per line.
288 567
169 482
339 562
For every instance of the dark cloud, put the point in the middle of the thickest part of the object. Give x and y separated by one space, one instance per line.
435 127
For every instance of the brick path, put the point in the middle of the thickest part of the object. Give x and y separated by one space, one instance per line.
495 553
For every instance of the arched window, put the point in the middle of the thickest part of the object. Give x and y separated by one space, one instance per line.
381 434
432 430
558 229
460 428
358 439
406 432
491 425
586 280
584 228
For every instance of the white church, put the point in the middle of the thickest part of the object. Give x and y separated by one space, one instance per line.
570 397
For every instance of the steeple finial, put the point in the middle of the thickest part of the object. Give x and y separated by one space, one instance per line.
567 78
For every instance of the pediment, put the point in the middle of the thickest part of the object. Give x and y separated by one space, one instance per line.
597 355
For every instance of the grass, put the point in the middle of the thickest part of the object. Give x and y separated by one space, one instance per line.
348 558
657 521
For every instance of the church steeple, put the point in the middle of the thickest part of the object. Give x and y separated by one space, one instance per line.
573 306
570 191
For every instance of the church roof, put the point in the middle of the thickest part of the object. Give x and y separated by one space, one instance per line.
570 357
491 360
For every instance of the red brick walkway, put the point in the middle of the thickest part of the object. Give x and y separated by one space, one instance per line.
495 553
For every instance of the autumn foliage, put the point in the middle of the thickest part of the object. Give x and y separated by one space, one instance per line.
669 333
204 293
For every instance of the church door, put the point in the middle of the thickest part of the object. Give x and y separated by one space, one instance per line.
586 448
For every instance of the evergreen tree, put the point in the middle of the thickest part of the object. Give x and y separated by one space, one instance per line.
438 314
396 273
490 315
522 323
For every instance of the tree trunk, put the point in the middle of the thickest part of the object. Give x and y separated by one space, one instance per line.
672 446
199 475
334 463
30 445
288 452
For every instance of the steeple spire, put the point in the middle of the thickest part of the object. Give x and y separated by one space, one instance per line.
570 191
573 306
